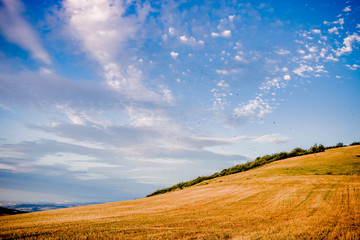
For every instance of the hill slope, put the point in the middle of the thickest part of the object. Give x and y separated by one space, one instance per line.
8 211
313 196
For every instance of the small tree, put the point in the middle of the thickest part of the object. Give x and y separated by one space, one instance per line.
321 148
340 144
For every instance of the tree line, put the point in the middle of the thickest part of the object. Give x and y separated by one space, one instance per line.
259 161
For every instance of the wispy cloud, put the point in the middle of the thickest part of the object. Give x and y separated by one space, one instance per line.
104 31
18 31
272 138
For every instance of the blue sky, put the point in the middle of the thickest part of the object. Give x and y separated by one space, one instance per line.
106 100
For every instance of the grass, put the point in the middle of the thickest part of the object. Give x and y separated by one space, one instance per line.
307 197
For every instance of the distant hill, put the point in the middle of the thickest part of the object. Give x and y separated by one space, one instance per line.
7 211
43 206
313 196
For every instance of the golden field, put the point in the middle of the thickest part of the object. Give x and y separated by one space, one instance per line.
315 196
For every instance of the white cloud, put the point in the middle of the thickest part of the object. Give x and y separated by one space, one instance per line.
231 18
282 52
226 33
303 68
348 42
228 71
222 71
174 55
333 30
316 31
190 40
75 163
320 68
272 138
256 108
339 21
238 58
45 71
183 38
352 67
171 31
312 49
347 9
331 58
287 77
301 51
220 93
80 117
222 84
7 167
307 57
164 37
275 83
16 30
104 33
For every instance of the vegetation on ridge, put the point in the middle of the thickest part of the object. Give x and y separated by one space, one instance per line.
259 161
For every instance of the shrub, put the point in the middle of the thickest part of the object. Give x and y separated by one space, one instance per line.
340 144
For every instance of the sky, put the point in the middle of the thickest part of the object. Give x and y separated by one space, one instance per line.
104 100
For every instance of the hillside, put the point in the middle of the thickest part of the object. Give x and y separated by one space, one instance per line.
306 197
8 211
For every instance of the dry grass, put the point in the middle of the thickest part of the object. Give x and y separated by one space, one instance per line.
308 197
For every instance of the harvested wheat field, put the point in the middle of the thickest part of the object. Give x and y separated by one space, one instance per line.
315 196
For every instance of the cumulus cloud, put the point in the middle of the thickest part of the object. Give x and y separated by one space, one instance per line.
301 51
317 31
333 30
190 40
352 67
16 30
302 69
171 30
348 44
282 52
225 33
287 77
256 108
174 55
347 9
238 58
